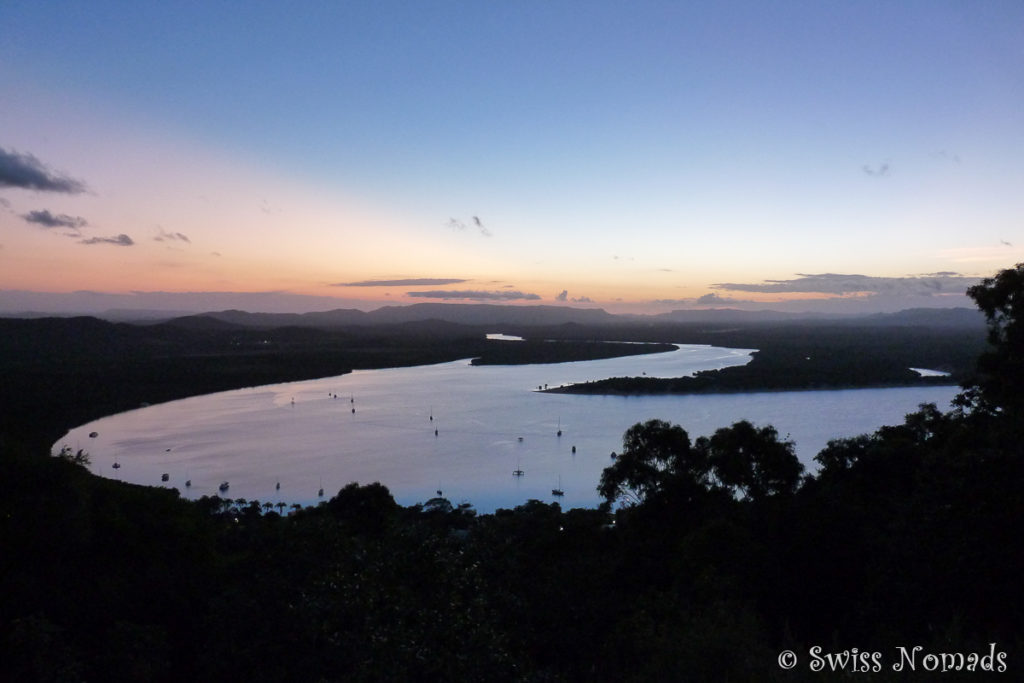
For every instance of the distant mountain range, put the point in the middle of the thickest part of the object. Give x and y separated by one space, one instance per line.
540 316
462 314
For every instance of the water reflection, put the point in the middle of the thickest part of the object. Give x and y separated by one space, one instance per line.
454 427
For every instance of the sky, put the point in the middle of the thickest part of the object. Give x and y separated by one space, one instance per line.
633 156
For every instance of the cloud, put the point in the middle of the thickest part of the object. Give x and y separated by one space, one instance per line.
480 226
411 282
48 220
456 224
474 295
564 296
880 172
841 285
121 240
711 299
716 300
164 236
26 172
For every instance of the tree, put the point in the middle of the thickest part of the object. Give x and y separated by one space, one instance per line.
654 454
752 462
1001 369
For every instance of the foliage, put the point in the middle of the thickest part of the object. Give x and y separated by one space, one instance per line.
1001 368
752 462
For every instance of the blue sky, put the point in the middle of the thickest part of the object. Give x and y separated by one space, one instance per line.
636 156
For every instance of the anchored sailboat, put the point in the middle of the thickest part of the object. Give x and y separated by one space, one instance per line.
557 491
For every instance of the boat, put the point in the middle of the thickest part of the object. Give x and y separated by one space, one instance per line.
557 491
188 483
116 465
559 426
223 486
93 435
517 473
164 476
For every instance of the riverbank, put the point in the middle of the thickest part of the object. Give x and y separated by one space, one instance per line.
769 370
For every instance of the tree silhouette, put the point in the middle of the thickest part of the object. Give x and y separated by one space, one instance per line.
752 462
653 454
1001 369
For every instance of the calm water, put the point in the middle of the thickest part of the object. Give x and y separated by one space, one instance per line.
490 420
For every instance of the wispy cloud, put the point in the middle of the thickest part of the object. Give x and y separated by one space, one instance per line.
474 295
409 282
840 285
27 172
121 240
881 171
49 220
481 227
164 236
460 226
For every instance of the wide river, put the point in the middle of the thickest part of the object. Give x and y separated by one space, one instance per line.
285 442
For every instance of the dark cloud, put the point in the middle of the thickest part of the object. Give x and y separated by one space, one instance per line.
411 282
564 296
880 172
165 236
121 240
26 172
456 224
48 220
474 295
714 299
838 284
481 227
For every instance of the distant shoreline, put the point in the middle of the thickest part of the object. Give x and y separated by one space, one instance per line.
600 388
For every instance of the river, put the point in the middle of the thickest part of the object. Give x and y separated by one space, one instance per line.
452 427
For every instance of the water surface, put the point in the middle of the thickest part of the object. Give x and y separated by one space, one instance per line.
379 425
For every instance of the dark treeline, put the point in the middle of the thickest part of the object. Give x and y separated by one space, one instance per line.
809 355
710 556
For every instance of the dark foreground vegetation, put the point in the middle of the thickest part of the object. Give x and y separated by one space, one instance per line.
800 355
710 557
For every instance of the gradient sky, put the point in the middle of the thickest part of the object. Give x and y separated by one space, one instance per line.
637 156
